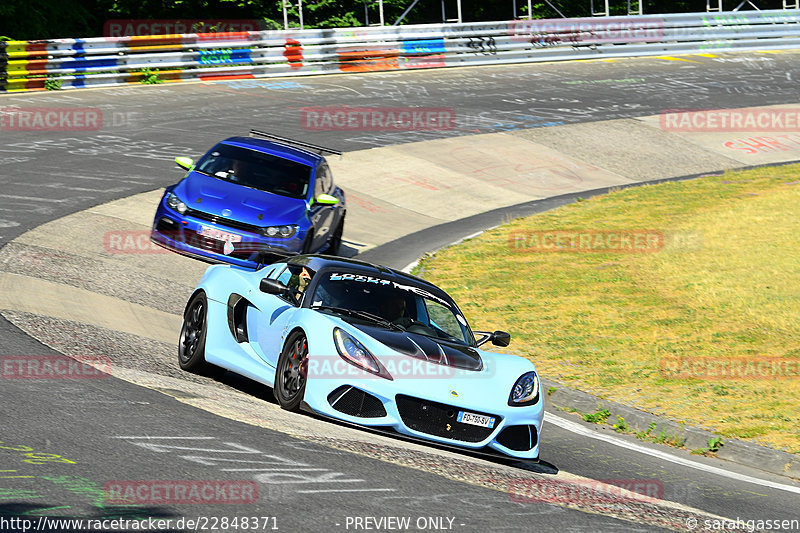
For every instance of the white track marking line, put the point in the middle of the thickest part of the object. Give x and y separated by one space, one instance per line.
143 181
315 491
586 432
278 469
61 186
409 267
149 437
37 199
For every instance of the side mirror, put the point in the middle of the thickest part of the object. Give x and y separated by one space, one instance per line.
326 199
185 162
500 338
273 286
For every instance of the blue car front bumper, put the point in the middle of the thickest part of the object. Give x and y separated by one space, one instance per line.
185 234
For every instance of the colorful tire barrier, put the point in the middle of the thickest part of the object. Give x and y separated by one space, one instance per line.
107 61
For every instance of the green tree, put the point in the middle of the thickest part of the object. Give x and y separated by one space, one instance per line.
49 19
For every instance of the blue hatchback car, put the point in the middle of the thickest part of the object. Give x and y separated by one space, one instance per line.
250 200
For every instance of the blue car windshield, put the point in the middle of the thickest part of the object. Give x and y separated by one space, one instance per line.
410 307
256 170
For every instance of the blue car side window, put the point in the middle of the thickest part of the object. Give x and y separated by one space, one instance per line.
324 181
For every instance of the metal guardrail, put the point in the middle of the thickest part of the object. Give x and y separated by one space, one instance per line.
107 61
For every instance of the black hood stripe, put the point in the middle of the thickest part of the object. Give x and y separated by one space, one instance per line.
437 351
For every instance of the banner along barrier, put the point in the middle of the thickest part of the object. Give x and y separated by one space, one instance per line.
108 61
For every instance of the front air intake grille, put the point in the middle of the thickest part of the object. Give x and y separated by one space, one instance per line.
441 420
519 438
223 221
355 402
241 250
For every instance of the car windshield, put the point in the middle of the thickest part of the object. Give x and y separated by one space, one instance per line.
257 170
392 305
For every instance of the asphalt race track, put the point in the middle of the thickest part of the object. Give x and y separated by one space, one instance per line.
63 441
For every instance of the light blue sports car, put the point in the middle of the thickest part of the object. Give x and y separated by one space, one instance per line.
367 345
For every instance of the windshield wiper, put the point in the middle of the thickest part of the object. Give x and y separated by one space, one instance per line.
360 314
204 173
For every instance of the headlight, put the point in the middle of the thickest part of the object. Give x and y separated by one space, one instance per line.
280 232
525 390
356 354
175 203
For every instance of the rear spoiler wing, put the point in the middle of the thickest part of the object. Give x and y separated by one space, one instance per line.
301 144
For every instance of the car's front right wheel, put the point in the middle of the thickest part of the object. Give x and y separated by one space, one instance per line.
291 372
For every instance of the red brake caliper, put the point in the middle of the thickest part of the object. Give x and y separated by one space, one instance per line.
304 363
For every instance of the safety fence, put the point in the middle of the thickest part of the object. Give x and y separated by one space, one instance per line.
107 61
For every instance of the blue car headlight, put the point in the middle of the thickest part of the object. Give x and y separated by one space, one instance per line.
280 232
175 203
355 353
525 390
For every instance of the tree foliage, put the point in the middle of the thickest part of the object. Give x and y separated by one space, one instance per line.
48 19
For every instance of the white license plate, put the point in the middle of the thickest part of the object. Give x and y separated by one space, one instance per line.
476 420
214 233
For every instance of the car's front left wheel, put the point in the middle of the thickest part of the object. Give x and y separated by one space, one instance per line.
307 242
192 344
335 242
292 371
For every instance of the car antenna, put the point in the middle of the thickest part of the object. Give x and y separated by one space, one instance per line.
285 140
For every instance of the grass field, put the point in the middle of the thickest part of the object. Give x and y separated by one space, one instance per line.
682 298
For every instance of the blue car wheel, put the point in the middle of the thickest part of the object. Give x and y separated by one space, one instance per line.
336 239
291 372
306 247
